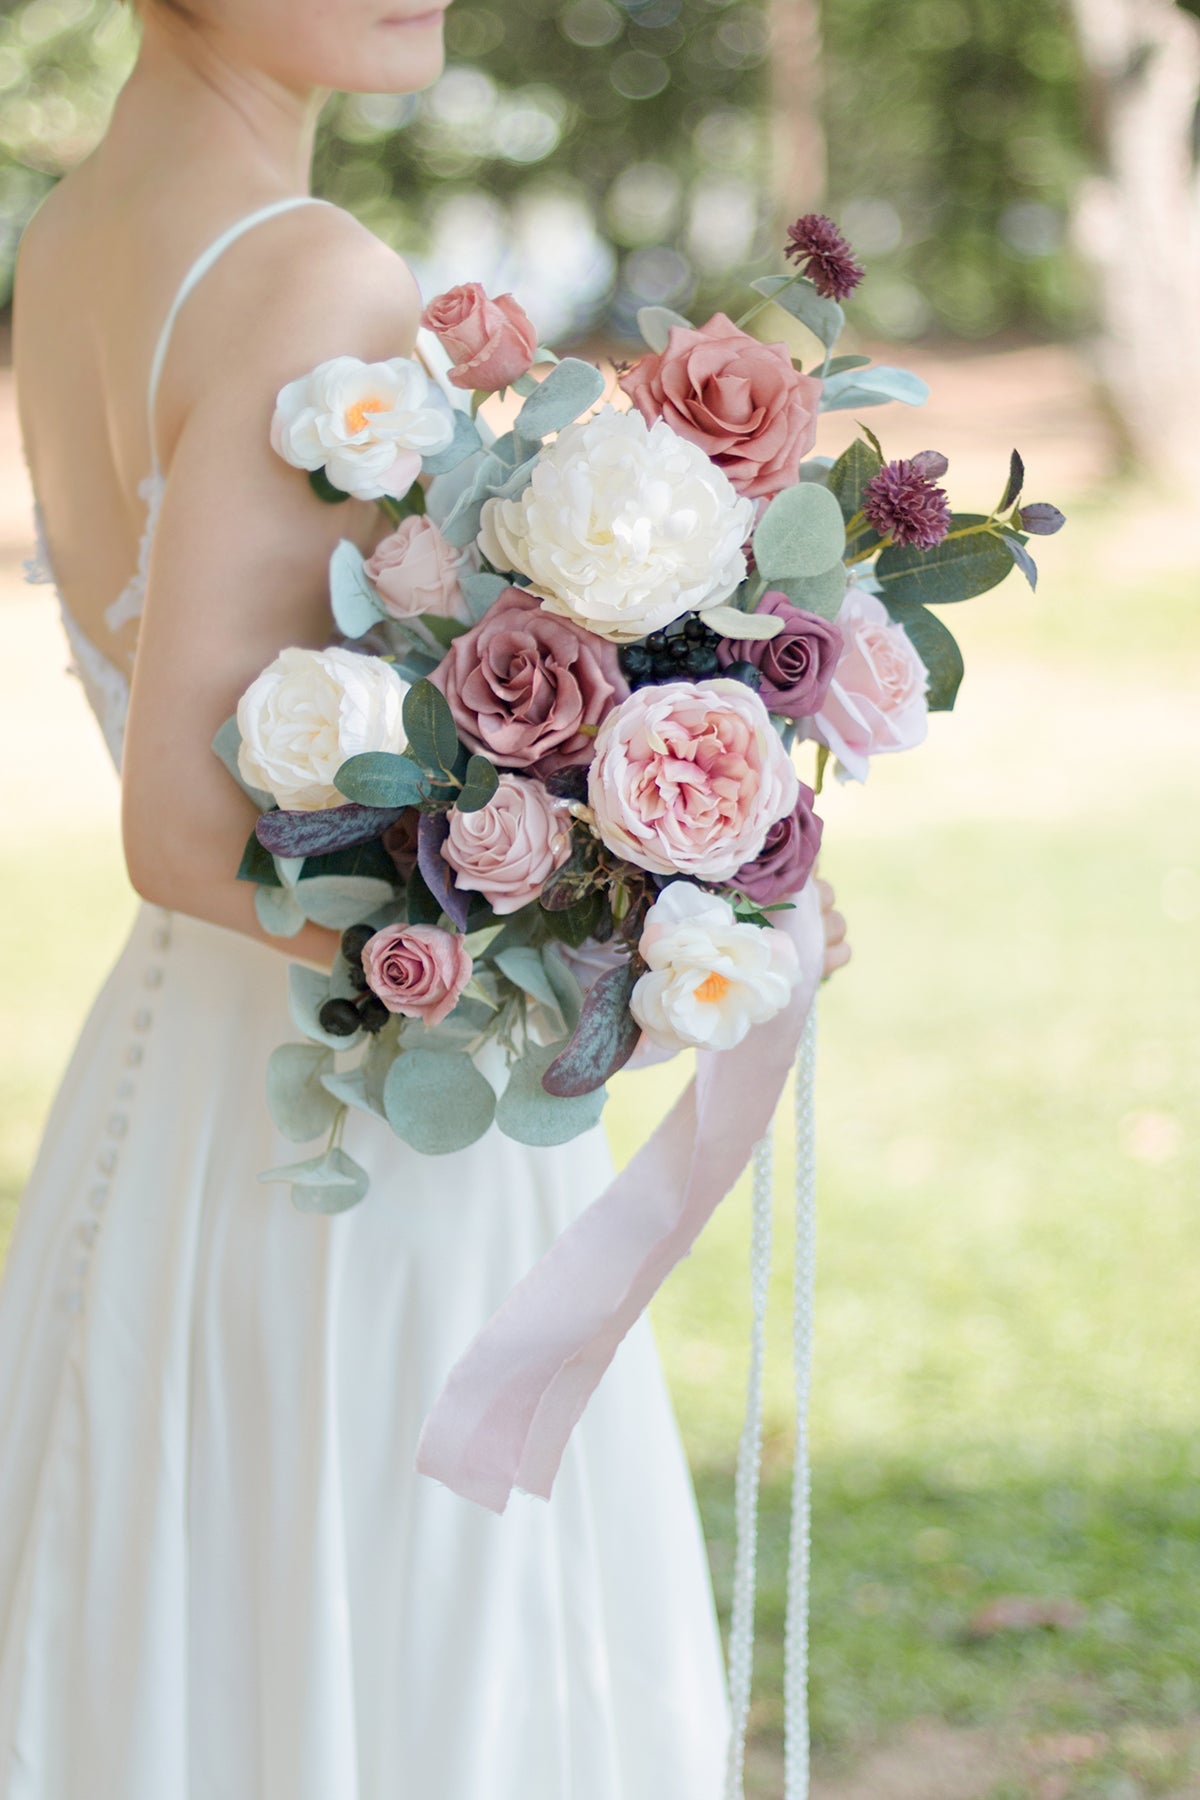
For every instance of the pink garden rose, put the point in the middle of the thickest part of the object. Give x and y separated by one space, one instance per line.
740 400
528 687
508 850
490 342
689 777
416 571
797 665
876 700
785 862
417 970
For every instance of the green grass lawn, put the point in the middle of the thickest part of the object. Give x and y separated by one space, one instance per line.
1006 1399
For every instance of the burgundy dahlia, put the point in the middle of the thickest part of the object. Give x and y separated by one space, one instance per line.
903 504
827 259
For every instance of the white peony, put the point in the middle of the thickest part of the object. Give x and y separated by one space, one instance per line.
308 713
711 976
366 424
623 527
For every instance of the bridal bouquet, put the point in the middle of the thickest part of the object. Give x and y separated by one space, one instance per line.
543 782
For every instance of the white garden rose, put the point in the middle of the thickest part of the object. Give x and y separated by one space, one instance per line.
623 527
711 976
366 424
308 713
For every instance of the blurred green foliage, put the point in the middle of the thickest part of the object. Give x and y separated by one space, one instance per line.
606 153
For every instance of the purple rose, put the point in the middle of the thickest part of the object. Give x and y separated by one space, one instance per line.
529 688
797 665
784 863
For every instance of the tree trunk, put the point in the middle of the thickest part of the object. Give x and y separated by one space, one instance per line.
798 139
1138 222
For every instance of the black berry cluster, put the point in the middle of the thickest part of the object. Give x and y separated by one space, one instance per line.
685 652
342 1018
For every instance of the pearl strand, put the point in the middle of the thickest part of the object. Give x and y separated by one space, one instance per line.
797 1747
749 1464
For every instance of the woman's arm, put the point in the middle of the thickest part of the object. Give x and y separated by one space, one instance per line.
239 567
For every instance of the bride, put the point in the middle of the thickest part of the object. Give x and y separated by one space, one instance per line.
220 1577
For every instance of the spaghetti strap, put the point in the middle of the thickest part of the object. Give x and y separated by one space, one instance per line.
198 270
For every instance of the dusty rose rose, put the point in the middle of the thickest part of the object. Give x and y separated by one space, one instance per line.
876 700
508 850
417 970
400 842
490 342
416 571
527 687
797 665
741 401
689 777
785 862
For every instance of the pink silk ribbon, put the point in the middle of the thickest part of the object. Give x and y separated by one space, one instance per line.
509 1405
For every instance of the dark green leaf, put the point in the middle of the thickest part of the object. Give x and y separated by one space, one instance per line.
357 859
936 647
956 569
603 1041
382 778
576 922
479 785
430 729
324 489
444 630
422 907
850 474
257 864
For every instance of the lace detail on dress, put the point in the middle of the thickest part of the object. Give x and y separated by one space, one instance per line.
132 598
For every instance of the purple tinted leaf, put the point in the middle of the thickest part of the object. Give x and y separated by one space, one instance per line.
1016 481
1021 557
1041 519
931 463
432 832
333 828
603 1041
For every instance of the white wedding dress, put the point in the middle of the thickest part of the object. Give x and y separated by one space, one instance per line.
220 1577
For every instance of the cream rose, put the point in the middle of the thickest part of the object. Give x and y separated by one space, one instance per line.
623 527
710 976
366 424
308 713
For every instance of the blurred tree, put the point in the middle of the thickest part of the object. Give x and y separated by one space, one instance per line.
1139 220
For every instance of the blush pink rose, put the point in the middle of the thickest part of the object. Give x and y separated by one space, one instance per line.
490 342
416 571
689 777
741 401
796 665
508 850
785 862
417 970
876 701
527 687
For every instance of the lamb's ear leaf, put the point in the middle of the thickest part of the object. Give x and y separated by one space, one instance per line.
655 322
277 911
568 390
465 442
355 603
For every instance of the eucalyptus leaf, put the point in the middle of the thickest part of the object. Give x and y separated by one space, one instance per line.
332 1183
300 1105
821 594
478 943
936 647
340 900
382 778
824 318
875 386
801 533
528 1114
480 592
731 622
465 442
655 322
351 1089
956 569
479 785
226 744
430 729
437 1103
356 605
568 390
526 970
304 834
277 911
308 991
604 1038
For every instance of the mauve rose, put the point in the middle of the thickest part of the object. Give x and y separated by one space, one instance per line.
740 400
689 777
490 342
508 850
400 842
416 571
876 700
797 665
785 862
525 685
417 970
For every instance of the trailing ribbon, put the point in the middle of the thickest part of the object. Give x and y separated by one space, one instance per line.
510 1403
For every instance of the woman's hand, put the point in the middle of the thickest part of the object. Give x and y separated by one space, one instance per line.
837 950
